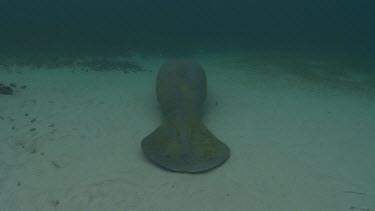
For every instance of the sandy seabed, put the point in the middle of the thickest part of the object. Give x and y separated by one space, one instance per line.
301 133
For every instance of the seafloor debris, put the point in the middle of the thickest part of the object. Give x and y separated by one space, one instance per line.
6 90
87 63
10 89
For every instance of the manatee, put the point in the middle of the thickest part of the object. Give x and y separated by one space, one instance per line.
182 143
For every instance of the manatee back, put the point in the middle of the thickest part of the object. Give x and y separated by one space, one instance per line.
181 84
182 143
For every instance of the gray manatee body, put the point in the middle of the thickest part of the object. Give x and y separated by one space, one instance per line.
182 142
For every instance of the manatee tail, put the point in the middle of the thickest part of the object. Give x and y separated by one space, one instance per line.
202 152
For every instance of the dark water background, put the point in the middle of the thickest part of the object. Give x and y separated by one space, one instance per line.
180 26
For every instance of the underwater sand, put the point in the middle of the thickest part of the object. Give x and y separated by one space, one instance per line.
301 132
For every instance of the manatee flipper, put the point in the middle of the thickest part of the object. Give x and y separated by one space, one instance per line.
197 151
